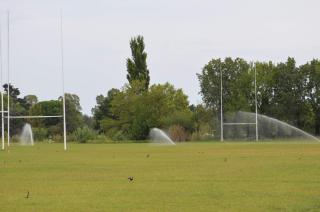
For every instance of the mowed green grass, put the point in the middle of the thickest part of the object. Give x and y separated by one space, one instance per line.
185 177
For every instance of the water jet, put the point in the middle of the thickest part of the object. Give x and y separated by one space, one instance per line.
26 137
157 135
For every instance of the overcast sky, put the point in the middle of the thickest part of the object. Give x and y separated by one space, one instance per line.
181 36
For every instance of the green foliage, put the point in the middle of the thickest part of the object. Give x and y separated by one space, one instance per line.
43 128
103 108
39 134
284 91
204 132
136 112
203 123
84 134
128 106
46 108
137 66
311 80
180 118
237 84
73 115
88 121
30 100
118 136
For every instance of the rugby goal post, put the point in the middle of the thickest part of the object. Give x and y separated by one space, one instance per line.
222 124
7 112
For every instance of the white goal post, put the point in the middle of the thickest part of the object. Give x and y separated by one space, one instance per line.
222 124
7 112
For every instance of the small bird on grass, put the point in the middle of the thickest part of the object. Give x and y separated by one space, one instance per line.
27 195
147 155
130 178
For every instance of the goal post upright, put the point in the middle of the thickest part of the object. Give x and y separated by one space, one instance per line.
8 76
1 89
63 92
256 103
221 110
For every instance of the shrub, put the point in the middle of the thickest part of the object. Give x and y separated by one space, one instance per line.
138 130
118 136
179 118
204 133
39 134
83 134
55 130
178 133
56 138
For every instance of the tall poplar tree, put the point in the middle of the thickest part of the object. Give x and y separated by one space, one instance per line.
137 65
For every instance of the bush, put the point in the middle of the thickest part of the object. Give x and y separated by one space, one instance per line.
39 134
118 136
178 118
138 130
202 134
56 138
55 130
84 134
178 133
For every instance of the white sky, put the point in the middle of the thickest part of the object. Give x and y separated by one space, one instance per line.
181 36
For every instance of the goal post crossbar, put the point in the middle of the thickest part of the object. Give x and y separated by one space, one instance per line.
33 117
239 123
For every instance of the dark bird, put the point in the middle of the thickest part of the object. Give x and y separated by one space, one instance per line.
130 178
27 195
148 155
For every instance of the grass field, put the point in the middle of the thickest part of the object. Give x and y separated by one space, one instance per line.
186 177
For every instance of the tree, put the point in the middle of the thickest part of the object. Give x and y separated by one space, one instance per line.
265 87
14 92
288 96
73 112
17 107
237 77
137 66
30 100
311 71
47 108
137 112
129 117
284 91
201 116
167 106
54 107
103 108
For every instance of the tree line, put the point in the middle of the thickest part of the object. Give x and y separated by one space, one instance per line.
284 91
